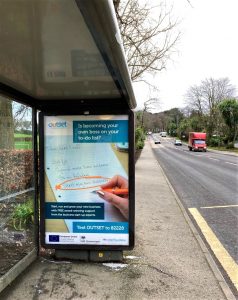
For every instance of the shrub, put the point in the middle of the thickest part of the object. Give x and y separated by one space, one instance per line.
16 171
140 145
22 215
230 145
215 141
139 138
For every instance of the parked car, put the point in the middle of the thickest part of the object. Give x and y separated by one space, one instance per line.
177 143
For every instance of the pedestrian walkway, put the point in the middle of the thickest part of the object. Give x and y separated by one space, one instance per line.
168 262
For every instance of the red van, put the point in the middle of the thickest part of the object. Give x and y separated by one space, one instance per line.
197 141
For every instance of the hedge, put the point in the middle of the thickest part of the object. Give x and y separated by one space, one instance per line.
16 171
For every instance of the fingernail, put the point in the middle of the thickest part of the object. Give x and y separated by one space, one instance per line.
101 193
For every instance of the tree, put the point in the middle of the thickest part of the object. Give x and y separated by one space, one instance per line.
168 120
204 99
172 129
13 117
21 117
213 91
148 39
172 118
6 124
184 128
194 99
229 111
149 106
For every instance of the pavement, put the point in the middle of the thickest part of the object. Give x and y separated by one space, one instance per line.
169 260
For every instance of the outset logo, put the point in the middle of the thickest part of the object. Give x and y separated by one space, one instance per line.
59 124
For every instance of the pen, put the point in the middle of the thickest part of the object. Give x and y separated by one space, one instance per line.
115 191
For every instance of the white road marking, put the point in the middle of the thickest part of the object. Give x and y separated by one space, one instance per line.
214 158
220 206
195 154
227 162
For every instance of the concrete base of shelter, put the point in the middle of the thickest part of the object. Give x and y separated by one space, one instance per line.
15 271
86 255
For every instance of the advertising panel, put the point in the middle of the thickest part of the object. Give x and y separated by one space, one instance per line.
85 174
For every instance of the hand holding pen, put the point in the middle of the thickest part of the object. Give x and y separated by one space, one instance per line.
115 191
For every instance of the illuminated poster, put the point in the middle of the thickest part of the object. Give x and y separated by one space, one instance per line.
86 180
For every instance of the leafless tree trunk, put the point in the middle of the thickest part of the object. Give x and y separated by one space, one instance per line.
148 35
20 113
195 100
6 125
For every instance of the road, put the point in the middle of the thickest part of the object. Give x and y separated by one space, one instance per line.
207 185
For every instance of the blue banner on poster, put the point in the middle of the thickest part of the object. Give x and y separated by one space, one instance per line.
74 210
112 131
100 227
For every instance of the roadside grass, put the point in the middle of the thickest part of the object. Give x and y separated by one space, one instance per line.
23 144
234 150
21 135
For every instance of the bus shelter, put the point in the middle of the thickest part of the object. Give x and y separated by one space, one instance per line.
67 164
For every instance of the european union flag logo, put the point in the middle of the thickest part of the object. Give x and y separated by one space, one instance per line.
53 238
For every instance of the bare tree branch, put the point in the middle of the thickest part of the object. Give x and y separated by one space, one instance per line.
189 2
148 35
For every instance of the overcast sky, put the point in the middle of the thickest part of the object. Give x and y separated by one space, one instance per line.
208 48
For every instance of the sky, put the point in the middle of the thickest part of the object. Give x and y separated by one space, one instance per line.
208 47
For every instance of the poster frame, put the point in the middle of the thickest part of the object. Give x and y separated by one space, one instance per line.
131 178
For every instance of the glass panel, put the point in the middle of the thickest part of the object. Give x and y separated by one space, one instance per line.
16 47
47 51
200 142
16 183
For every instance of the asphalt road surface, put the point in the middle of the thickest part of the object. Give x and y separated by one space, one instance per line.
207 185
